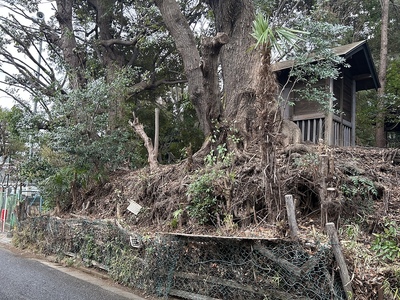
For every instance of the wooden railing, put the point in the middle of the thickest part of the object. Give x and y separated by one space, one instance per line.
341 133
312 129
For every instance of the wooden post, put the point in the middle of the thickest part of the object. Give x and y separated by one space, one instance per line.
329 137
353 113
291 212
331 195
386 197
156 131
337 251
323 173
323 166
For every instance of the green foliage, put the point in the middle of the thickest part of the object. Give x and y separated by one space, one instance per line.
203 201
309 160
84 144
393 77
368 108
359 186
366 111
219 155
11 143
176 215
358 195
56 189
386 244
36 169
178 125
278 39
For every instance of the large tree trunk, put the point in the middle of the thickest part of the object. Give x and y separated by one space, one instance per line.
201 73
380 118
74 59
239 64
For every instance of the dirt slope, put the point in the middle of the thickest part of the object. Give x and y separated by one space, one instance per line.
243 197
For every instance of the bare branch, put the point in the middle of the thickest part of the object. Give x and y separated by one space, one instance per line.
108 43
146 85
152 152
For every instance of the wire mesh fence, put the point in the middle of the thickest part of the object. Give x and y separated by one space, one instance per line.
15 207
8 204
192 267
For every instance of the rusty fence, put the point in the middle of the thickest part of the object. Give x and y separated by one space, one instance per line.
188 266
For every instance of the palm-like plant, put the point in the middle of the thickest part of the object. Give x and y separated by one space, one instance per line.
269 39
273 39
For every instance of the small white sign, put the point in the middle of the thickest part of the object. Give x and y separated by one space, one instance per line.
134 207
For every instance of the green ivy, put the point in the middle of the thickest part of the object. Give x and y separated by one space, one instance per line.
203 201
360 186
386 244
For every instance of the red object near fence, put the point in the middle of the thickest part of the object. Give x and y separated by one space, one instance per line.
3 215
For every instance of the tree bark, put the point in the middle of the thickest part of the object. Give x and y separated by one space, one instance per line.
151 150
185 42
229 49
74 59
380 137
239 64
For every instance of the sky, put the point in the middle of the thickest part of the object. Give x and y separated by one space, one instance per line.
46 8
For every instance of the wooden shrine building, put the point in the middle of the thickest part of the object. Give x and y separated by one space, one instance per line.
316 123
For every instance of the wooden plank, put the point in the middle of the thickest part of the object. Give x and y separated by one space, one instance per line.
283 263
307 116
337 251
305 106
277 294
337 119
200 236
218 280
315 134
188 295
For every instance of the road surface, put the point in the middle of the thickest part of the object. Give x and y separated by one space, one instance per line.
23 278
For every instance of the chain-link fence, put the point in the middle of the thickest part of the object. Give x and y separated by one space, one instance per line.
17 206
246 268
192 267
8 204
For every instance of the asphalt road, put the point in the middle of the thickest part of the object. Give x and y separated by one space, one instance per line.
32 279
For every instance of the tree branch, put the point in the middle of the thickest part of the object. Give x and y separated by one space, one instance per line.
110 42
149 85
151 150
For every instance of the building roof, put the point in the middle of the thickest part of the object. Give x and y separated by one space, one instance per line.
357 55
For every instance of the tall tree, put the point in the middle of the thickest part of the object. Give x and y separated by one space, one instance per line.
380 137
228 49
74 63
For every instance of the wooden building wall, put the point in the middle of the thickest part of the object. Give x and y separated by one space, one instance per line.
316 123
